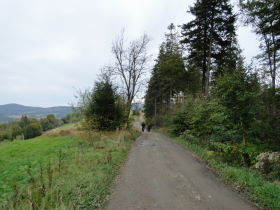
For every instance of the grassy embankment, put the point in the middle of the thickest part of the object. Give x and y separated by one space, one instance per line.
266 194
64 169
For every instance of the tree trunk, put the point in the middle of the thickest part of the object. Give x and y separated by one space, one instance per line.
204 65
155 107
128 107
207 74
243 132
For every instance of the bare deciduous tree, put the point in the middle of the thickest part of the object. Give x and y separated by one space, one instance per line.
263 16
130 64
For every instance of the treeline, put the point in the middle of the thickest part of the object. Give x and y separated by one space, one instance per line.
200 86
27 128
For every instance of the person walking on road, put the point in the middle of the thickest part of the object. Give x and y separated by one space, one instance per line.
143 126
149 126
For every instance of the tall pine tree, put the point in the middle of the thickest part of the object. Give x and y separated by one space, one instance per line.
210 39
168 76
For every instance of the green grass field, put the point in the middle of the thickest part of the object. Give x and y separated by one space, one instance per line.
67 126
62 172
17 157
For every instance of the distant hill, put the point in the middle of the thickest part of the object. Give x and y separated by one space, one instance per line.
10 112
137 106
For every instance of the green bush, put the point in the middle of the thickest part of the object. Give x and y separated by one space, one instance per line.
50 122
202 118
32 130
72 117
238 154
180 121
5 135
16 131
275 172
189 137
136 112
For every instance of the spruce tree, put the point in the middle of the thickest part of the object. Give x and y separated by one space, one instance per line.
168 75
104 109
210 39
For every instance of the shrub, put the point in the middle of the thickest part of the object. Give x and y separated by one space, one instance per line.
16 131
238 93
5 135
50 122
136 112
181 119
32 130
238 154
275 172
206 119
72 117
189 137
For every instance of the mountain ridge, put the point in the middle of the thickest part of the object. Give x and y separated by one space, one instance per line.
13 111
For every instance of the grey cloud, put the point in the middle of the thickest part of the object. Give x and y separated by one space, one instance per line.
50 48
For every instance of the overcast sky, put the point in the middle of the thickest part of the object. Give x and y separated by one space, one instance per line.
51 48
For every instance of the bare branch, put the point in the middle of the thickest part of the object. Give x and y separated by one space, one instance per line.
130 64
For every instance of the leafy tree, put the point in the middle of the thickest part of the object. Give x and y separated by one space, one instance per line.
50 122
51 118
30 127
71 117
46 125
210 39
16 131
24 121
231 115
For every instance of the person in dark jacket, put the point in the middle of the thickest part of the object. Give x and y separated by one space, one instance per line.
149 127
143 126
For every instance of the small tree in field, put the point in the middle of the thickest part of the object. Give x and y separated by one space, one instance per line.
103 109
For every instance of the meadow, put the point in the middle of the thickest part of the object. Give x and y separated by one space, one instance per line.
64 169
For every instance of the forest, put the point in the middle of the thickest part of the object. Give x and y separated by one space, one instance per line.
222 112
202 89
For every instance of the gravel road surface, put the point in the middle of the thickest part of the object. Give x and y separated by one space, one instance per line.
160 174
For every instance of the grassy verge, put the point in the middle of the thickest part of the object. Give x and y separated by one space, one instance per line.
18 158
262 192
67 126
61 172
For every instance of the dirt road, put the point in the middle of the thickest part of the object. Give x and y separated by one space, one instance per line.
161 174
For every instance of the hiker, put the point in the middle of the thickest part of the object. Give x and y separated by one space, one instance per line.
149 127
143 126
